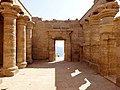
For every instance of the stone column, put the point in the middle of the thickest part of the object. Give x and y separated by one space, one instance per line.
107 39
70 46
51 49
29 41
86 44
21 41
9 12
117 36
118 65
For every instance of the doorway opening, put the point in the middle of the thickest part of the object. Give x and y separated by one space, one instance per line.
59 50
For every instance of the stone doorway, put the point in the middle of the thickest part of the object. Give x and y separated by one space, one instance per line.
59 50
1 39
60 35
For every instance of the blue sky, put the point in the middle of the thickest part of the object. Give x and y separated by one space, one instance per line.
58 9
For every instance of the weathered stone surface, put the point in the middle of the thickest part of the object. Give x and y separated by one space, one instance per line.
9 45
101 38
1 39
94 39
12 56
46 32
29 41
21 41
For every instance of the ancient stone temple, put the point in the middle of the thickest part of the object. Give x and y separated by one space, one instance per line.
94 39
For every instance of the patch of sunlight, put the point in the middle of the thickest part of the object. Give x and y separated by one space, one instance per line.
59 50
31 79
77 72
54 61
86 85
59 59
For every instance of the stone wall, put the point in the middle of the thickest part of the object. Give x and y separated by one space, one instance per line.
1 40
117 35
91 45
99 38
40 40
40 36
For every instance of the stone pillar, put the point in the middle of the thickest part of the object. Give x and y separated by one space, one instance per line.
94 23
9 12
21 41
69 46
51 49
86 43
29 41
117 32
107 40
118 66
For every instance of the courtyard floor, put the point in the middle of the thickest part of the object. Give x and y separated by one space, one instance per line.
59 75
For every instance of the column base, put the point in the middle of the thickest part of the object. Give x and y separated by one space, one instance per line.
29 61
10 71
22 65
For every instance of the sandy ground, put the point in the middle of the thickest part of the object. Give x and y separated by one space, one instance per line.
60 75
